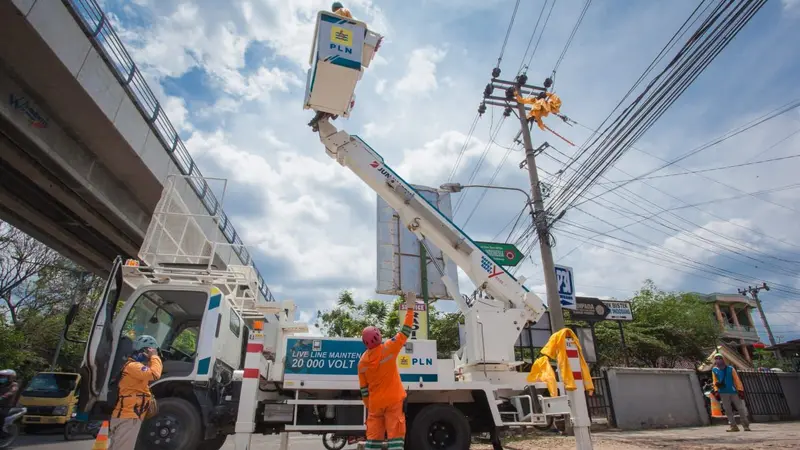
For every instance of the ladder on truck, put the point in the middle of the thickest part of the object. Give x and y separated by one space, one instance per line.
186 245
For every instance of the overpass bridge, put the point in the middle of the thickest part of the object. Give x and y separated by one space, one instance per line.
85 146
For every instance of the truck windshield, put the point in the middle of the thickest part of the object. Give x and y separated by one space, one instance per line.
150 316
51 385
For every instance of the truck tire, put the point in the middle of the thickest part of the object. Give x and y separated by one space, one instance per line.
440 427
176 426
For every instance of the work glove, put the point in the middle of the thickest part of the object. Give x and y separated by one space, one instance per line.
411 299
741 394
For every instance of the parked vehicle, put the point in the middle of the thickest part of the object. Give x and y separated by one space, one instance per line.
11 426
50 400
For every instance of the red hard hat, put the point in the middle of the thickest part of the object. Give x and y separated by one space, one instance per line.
371 337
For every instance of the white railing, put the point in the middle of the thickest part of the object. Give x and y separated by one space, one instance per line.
96 26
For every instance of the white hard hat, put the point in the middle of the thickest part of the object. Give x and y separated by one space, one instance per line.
144 341
8 373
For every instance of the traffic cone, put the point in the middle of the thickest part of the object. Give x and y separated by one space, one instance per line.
716 408
101 443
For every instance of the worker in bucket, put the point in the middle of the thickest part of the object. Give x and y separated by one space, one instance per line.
339 9
135 401
381 388
728 388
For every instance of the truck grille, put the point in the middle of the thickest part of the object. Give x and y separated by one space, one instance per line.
40 410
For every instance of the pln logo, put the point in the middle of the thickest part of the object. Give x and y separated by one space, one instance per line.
342 40
404 361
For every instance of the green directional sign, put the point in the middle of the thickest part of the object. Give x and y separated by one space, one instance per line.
501 253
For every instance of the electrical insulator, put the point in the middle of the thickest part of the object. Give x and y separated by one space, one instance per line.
507 111
495 72
487 91
510 93
548 82
522 79
542 95
482 108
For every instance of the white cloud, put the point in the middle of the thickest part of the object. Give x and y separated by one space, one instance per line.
311 222
420 76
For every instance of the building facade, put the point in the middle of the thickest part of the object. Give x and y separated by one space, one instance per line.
734 315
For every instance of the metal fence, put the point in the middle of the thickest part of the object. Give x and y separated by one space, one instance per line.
763 394
600 403
96 26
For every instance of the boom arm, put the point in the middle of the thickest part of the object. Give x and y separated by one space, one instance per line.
492 324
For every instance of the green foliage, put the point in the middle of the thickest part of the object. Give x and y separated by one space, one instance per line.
768 360
37 287
349 318
669 328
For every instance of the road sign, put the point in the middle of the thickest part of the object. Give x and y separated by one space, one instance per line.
590 309
502 253
618 310
566 286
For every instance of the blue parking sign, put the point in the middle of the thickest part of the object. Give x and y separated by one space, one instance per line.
566 286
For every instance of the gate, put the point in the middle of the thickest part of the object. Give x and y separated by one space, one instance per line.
764 396
600 404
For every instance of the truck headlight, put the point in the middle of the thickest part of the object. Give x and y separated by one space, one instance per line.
59 410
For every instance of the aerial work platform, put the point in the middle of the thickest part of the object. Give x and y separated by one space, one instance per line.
341 50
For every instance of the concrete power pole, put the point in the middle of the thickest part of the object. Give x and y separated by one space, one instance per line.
753 291
539 213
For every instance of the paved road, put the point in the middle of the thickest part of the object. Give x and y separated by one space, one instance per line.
771 436
55 441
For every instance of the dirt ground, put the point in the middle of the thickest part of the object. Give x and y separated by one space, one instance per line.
771 436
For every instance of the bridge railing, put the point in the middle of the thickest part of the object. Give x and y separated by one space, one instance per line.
97 27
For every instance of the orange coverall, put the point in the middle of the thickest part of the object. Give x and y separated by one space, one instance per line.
382 391
134 388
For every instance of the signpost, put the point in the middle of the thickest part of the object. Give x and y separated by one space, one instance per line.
566 287
503 254
618 310
419 330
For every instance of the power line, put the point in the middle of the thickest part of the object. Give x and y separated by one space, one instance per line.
768 116
569 40
544 26
533 34
710 169
454 170
508 33
693 58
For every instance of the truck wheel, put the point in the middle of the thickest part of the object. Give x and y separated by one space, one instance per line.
441 427
176 426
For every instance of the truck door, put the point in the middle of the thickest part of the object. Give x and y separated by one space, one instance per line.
99 348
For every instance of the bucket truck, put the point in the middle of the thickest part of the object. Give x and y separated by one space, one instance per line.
235 366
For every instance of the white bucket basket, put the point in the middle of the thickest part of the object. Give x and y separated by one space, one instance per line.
342 48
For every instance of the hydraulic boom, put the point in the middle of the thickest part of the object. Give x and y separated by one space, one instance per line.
493 321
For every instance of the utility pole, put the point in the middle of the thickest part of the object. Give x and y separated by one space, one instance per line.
539 213
753 291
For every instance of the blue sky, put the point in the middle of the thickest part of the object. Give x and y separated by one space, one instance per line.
231 76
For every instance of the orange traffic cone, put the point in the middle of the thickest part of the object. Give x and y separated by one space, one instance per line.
716 408
101 443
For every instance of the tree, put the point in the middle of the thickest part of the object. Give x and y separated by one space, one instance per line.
349 318
669 329
22 258
37 287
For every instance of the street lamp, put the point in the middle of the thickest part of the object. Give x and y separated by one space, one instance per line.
458 187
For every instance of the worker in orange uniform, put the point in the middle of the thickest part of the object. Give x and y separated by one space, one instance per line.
135 402
381 388
339 9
